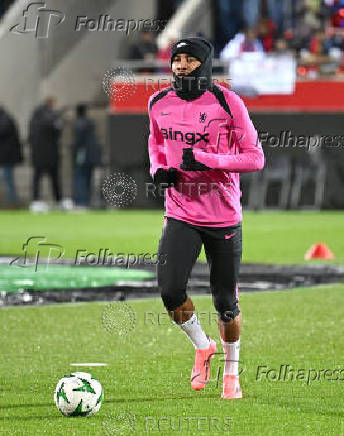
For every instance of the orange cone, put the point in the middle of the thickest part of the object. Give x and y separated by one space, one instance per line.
319 251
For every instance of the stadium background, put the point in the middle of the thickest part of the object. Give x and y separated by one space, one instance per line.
294 203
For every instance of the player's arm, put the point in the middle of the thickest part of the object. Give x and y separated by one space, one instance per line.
156 152
250 156
159 169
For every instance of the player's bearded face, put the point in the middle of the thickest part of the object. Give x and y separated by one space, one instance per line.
183 64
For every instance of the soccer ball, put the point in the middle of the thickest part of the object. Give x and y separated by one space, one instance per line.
78 394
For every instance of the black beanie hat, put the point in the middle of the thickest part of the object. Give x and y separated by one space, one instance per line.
198 47
203 50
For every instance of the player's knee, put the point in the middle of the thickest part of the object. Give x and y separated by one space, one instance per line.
226 309
172 298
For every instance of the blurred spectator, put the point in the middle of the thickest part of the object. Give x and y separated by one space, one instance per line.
301 22
281 47
228 21
308 20
242 43
337 13
278 11
334 38
86 156
146 48
252 10
10 154
44 134
266 33
319 45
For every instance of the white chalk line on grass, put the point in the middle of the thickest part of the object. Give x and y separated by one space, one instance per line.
88 364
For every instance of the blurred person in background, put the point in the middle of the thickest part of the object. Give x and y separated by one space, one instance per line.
308 20
44 134
145 49
337 13
334 37
86 156
10 154
266 33
243 42
319 44
278 11
228 20
281 47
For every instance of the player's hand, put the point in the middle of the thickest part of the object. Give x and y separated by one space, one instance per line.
190 163
166 178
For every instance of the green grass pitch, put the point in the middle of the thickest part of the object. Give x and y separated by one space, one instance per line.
268 237
147 374
146 380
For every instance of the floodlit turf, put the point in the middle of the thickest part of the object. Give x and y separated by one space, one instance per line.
64 277
146 381
269 237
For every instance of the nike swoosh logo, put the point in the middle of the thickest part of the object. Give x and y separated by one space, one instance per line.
165 113
230 236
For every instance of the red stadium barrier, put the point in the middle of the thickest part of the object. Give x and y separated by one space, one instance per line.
309 96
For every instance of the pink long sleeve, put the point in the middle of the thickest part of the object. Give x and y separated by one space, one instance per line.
221 136
156 152
250 156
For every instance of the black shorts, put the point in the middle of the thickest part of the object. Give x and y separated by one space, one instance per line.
180 246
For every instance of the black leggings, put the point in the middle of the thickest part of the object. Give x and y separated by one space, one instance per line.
54 177
180 245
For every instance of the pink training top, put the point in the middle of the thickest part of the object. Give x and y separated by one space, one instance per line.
218 128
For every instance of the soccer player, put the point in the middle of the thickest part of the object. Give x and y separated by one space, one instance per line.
201 138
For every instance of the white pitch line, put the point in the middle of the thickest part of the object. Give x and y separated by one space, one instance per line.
88 364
